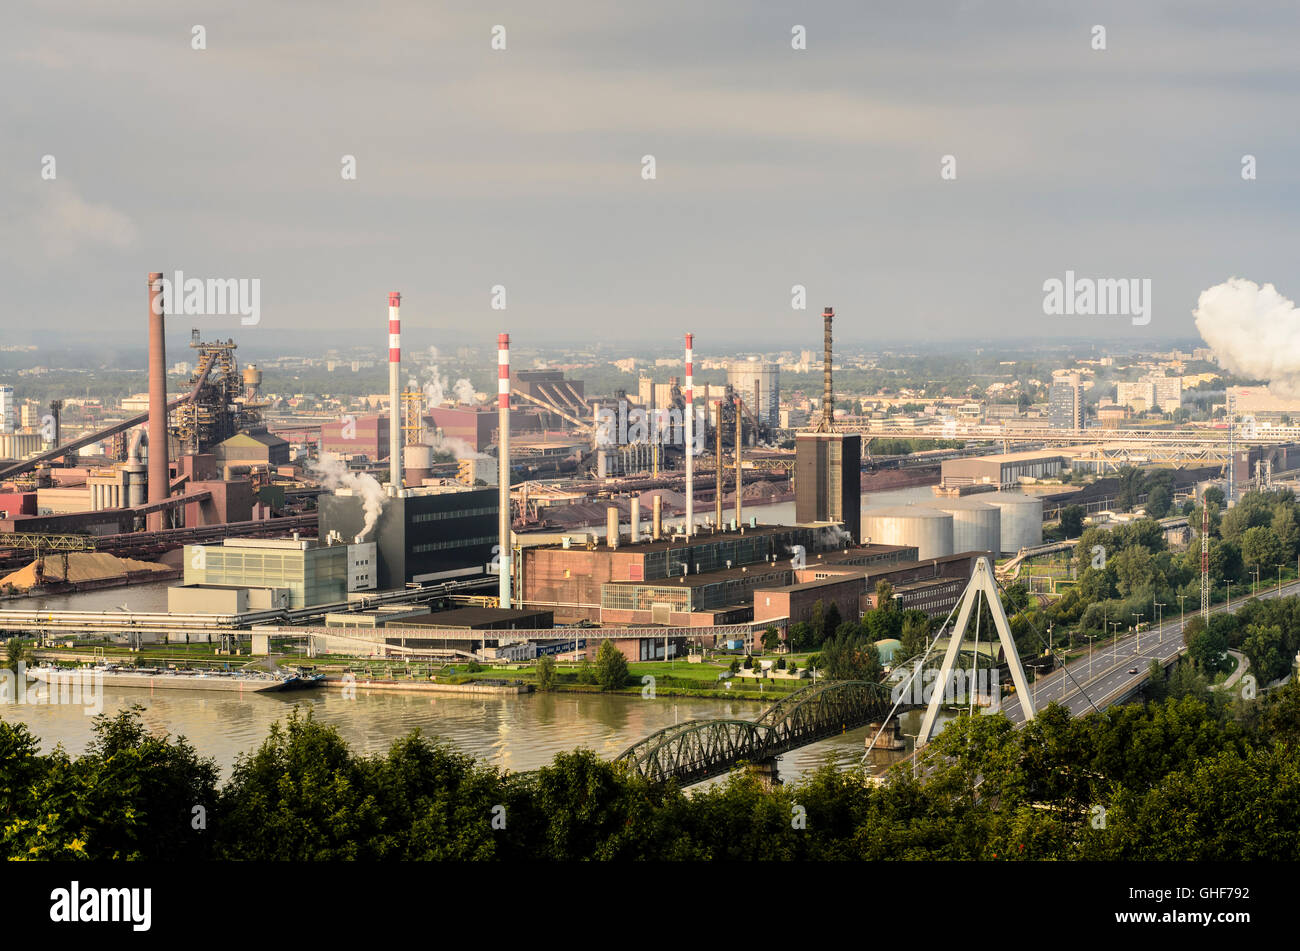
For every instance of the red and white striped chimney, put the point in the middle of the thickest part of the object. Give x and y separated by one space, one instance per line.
503 473
394 391
690 434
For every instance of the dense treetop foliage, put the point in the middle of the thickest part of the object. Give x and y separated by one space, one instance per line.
1194 776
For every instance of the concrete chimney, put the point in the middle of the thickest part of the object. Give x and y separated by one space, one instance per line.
657 518
718 466
159 480
611 527
827 424
690 434
503 461
394 392
636 520
738 469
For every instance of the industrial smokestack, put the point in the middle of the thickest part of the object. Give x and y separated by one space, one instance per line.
690 435
718 467
503 460
827 424
636 520
159 481
738 502
611 527
657 518
394 392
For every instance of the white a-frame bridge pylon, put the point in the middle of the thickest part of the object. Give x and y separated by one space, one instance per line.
981 582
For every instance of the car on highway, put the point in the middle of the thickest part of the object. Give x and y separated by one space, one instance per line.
1132 670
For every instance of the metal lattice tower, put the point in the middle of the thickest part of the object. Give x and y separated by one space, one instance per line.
413 402
1205 560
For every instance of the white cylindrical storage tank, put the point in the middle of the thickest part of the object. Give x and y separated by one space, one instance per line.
976 525
418 459
1022 520
930 530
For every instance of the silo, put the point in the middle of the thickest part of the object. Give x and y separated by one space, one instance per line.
419 464
976 525
930 530
1022 520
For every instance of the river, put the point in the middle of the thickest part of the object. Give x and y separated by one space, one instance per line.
515 733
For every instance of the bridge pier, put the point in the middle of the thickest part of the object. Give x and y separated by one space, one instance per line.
767 773
888 745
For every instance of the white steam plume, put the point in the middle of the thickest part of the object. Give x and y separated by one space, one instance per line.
438 386
334 474
1254 331
464 391
457 447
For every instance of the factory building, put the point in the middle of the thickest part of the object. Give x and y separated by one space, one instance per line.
710 580
828 480
351 437
434 533
311 572
1009 468
932 585
759 385
251 450
569 579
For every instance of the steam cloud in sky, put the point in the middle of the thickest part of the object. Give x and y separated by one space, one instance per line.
437 387
1254 331
334 474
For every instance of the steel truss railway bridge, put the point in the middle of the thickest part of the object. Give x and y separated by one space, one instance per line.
697 750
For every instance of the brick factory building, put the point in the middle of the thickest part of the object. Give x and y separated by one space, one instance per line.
360 436
932 586
707 582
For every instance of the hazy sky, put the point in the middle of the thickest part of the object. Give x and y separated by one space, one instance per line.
523 167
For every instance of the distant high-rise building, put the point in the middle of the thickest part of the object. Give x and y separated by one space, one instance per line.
1154 391
1065 402
759 385
8 410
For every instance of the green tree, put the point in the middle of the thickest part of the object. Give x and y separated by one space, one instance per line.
771 639
915 635
1072 517
611 666
546 672
1261 548
15 653
1206 646
1159 500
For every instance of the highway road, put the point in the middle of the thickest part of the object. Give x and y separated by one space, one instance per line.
1107 677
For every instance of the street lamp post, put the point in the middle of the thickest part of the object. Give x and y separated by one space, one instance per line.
1138 628
1160 620
1090 637
1182 610
1254 585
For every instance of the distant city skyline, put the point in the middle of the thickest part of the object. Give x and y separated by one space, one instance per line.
523 168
